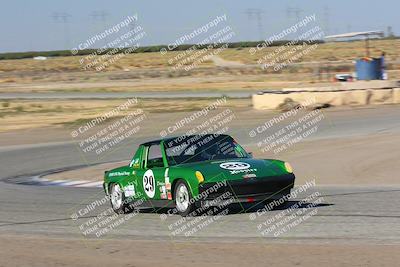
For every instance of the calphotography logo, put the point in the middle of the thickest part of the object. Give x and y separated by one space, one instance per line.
234 166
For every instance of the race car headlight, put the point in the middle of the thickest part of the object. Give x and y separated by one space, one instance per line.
199 177
288 167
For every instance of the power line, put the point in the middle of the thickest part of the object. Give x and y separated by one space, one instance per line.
99 16
61 17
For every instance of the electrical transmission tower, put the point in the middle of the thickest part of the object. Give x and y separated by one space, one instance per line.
257 14
294 13
100 17
64 19
327 15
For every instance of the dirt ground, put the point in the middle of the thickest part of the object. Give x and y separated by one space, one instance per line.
32 114
29 251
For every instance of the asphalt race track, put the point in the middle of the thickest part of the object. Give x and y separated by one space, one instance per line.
351 213
355 214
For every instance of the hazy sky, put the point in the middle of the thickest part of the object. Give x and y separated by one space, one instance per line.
30 25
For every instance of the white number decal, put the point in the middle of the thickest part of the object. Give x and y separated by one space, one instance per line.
149 184
234 165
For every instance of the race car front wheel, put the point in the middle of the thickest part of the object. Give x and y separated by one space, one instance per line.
183 199
117 199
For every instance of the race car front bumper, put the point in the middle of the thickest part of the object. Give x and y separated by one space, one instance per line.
249 190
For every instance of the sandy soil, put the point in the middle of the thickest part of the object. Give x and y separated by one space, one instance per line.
43 251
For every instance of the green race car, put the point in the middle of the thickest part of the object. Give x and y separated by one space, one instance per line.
186 172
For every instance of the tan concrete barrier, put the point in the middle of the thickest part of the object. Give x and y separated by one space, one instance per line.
375 84
376 97
357 85
354 97
273 100
396 95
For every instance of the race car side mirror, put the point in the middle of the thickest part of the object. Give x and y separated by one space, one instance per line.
251 154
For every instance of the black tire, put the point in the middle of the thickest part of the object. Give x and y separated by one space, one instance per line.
183 199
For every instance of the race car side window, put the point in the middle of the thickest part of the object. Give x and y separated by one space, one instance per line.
154 158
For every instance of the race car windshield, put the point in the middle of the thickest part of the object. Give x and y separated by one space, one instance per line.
201 148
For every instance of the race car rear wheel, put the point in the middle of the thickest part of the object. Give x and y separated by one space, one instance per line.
183 199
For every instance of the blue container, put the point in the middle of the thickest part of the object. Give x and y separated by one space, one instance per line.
369 69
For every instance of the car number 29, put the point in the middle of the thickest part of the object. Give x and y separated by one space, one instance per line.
149 183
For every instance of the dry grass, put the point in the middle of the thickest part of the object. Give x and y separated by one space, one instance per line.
342 51
26 114
325 52
151 71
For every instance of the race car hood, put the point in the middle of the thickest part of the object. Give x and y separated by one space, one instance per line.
232 169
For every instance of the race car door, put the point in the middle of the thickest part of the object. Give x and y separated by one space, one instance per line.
154 176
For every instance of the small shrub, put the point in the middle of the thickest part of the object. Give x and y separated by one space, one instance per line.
19 108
